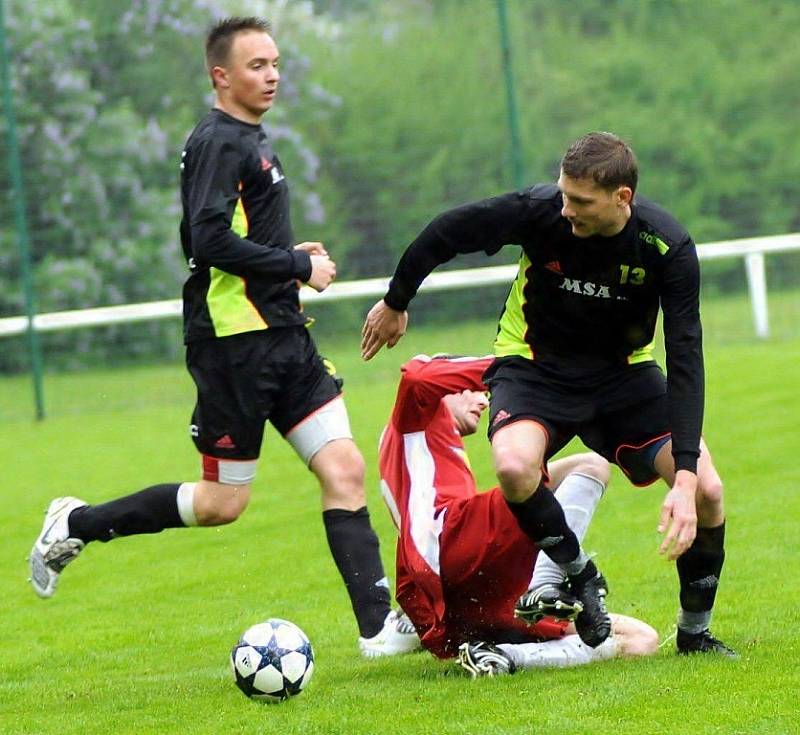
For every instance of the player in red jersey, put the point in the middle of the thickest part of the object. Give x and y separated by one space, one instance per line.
462 560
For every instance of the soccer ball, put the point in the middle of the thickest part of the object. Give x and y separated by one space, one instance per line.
272 661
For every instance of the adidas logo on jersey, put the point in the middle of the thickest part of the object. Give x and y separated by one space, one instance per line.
225 442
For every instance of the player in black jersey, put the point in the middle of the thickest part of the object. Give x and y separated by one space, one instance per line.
573 351
248 351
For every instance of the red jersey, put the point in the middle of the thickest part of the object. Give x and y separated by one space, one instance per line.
462 560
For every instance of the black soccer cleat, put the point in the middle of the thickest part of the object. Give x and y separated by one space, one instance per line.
704 642
484 659
593 623
547 600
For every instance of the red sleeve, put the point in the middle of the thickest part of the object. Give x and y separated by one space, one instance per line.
426 380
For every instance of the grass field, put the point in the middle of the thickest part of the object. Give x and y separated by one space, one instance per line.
136 640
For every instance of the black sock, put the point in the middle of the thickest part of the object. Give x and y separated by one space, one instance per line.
355 549
148 511
699 569
542 519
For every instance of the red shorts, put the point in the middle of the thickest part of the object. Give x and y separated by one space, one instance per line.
486 565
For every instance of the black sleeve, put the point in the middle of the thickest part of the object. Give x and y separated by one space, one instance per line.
485 225
212 188
683 338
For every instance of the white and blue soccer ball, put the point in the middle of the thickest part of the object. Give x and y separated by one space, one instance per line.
272 661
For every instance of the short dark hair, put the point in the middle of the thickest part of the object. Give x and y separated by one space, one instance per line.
603 157
220 38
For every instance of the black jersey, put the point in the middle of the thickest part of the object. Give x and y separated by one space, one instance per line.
236 233
585 306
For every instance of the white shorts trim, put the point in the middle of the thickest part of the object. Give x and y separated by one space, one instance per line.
327 423
229 471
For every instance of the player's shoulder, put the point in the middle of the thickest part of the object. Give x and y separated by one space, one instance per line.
545 193
217 131
658 227
544 201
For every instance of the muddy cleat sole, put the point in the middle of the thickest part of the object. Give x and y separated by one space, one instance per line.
54 548
704 642
397 636
483 659
545 601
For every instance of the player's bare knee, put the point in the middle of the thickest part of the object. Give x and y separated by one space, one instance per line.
594 465
217 504
517 476
634 637
340 469
518 479
640 643
710 492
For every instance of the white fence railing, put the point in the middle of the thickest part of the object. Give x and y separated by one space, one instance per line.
752 250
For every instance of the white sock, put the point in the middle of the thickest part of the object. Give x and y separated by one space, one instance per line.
579 495
567 651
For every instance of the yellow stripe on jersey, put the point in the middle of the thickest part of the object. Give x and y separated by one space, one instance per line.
643 354
230 309
240 225
512 326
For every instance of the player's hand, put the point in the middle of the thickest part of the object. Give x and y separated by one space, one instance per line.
323 272
312 248
383 326
679 516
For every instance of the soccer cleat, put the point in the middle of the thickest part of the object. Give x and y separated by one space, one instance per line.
703 642
593 622
547 600
54 548
484 659
397 636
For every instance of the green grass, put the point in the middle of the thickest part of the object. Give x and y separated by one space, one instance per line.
136 640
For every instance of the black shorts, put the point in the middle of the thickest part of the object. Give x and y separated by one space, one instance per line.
246 379
622 415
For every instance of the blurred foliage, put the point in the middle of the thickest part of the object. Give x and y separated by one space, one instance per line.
389 113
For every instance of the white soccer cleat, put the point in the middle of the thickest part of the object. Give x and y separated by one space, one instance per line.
397 636
54 548
484 659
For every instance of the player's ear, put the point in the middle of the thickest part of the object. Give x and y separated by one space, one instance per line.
624 195
219 77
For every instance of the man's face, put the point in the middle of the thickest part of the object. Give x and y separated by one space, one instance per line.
592 209
248 82
467 408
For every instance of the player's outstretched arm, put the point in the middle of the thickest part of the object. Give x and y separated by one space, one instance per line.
383 326
679 515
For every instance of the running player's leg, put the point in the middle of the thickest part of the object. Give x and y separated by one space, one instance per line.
313 418
228 435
